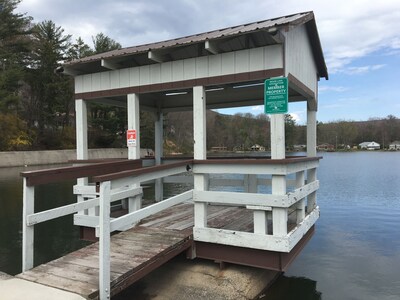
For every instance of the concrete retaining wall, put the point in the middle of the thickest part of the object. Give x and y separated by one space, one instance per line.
30 158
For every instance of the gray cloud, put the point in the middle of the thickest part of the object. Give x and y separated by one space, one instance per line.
348 29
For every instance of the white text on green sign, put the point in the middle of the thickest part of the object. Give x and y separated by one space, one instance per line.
276 95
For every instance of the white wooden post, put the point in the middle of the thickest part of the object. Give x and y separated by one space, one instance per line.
311 152
159 151
259 215
200 151
82 145
134 123
311 133
81 129
134 151
250 182
300 207
104 241
279 215
28 208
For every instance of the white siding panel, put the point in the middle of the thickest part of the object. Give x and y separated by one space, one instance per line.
155 73
228 63
134 76
96 81
105 80
273 57
256 59
87 83
202 67
177 70
242 61
124 78
166 72
189 68
114 78
144 75
79 84
299 58
215 65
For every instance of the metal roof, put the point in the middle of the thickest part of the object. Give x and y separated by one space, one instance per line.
228 39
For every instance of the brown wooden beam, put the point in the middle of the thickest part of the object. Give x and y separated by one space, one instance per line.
270 260
67 173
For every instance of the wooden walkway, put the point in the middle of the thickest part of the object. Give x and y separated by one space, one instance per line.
136 252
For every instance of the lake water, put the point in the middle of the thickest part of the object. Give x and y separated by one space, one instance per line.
354 254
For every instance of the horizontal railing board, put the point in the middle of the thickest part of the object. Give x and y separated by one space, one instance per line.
61 211
141 171
136 216
257 241
255 199
74 172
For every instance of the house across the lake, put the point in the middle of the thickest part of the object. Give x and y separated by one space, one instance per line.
257 147
394 146
326 147
370 146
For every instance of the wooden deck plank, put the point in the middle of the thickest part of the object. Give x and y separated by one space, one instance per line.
134 252
83 288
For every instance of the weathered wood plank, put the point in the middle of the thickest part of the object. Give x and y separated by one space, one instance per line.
135 252
83 288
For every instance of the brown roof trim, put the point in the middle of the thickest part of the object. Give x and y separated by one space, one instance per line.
198 38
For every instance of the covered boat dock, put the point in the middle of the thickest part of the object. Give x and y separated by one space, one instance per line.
269 212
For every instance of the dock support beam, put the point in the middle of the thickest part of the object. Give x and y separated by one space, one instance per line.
200 151
81 129
134 151
278 151
104 241
311 152
28 207
158 152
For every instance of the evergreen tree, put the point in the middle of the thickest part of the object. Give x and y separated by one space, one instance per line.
79 49
49 102
14 47
103 43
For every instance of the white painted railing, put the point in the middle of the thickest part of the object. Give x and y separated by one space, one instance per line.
264 206
126 184
111 188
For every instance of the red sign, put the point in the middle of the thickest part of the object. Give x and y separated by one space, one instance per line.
131 138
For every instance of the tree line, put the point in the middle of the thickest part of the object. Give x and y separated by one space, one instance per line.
241 131
37 103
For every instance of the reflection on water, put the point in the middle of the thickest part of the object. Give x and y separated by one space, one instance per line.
355 252
289 288
52 239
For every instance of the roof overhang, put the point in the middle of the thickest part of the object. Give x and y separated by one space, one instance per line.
247 36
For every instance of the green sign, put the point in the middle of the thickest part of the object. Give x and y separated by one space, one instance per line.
276 95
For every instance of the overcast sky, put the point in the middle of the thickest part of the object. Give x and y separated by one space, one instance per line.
360 40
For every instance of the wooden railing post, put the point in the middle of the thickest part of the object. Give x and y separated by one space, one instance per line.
200 151
104 241
312 198
300 206
27 231
279 214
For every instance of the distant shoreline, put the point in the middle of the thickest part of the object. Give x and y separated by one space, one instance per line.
35 158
